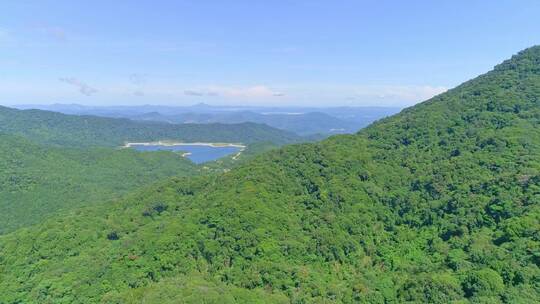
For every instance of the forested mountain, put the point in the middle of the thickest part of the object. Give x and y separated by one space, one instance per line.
37 181
51 162
438 204
85 131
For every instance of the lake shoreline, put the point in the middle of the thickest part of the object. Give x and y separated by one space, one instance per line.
172 144
197 152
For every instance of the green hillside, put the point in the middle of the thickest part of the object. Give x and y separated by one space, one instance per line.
37 181
438 204
85 131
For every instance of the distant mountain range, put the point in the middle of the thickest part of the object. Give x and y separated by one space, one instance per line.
300 120
59 129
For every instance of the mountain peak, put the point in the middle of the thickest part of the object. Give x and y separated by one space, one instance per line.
527 60
201 105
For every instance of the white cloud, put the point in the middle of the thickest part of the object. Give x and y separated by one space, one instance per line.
84 88
138 79
176 92
258 91
195 93
404 93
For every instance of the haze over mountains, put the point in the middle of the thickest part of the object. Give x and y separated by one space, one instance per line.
84 131
437 204
301 120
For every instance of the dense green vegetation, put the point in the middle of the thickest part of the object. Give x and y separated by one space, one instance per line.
37 181
86 131
438 204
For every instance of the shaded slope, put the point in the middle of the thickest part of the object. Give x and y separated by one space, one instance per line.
440 203
37 181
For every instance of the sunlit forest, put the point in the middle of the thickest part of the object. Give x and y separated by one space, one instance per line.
437 204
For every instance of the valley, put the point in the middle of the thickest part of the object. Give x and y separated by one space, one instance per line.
51 163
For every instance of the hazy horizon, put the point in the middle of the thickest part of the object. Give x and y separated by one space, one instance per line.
199 104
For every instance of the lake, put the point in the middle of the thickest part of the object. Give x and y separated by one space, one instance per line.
197 153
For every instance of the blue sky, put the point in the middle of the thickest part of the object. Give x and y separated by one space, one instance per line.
319 53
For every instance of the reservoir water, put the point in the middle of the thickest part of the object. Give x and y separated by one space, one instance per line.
197 153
